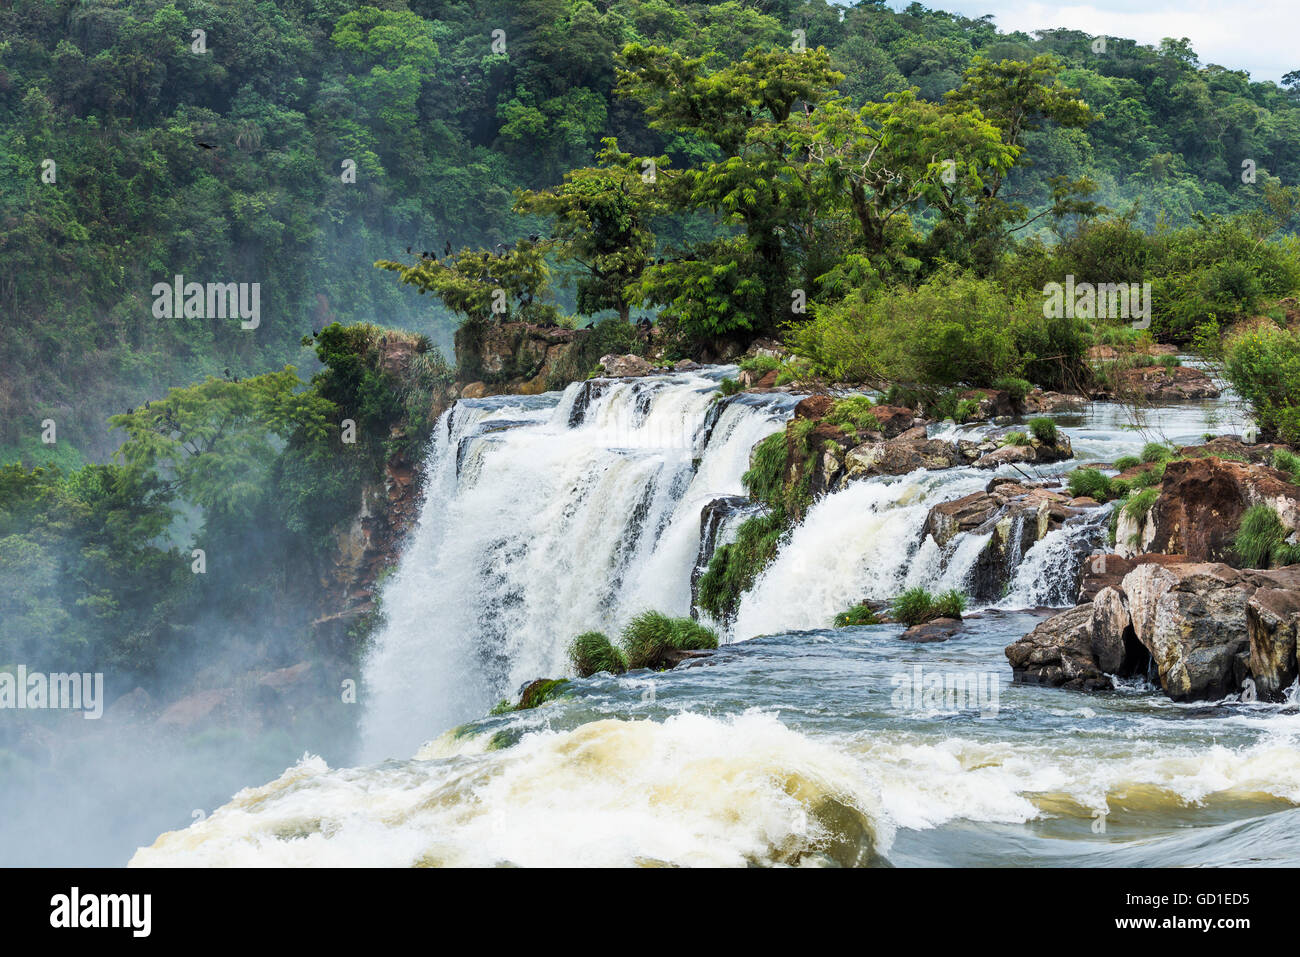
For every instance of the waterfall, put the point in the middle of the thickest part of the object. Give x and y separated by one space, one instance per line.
545 517
551 515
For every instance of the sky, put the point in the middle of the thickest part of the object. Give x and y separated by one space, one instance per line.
1259 36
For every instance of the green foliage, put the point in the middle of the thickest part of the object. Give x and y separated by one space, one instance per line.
1261 540
592 652
858 615
729 387
651 634
1090 483
1287 462
734 567
1015 438
1044 430
1139 506
853 414
917 606
1016 388
965 409
1156 452
1262 362
1125 462
540 692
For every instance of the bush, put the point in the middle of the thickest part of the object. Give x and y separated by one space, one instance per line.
862 614
1288 462
1149 477
651 634
1155 452
759 364
1015 438
729 387
734 567
1126 462
966 408
592 652
1016 388
1261 540
1044 430
1263 364
917 606
1140 504
853 414
1090 483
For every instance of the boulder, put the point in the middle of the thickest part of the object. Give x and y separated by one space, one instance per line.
895 420
1038 402
940 629
1058 653
1034 453
1199 509
1159 384
898 457
1272 627
624 367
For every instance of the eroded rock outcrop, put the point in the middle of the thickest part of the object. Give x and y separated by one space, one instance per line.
1199 629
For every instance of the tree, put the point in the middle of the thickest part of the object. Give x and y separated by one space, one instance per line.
601 219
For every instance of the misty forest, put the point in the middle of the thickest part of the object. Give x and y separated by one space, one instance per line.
457 422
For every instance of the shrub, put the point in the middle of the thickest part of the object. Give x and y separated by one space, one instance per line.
759 364
861 614
1288 462
1044 430
729 387
853 414
1149 477
592 652
734 567
1261 540
1016 388
917 606
966 408
1015 438
1155 452
1090 483
1140 504
1126 462
1263 364
950 604
650 634
1118 488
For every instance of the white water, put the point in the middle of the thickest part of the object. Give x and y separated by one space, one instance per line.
548 531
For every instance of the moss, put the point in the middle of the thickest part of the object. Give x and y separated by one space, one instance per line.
734 567
540 692
592 652
862 614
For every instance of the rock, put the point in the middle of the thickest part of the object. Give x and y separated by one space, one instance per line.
1110 628
940 629
1159 384
1038 402
1199 509
895 420
686 365
625 367
767 347
287 679
1272 627
1058 653
189 712
898 457
1108 570
132 706
517 357
814 407
1035 452
474 390
1192 619
990 404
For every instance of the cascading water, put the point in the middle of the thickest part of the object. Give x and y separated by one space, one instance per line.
544 518
550 515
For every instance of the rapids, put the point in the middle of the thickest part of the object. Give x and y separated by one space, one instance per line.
795 743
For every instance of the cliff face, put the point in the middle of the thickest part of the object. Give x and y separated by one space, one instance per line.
516 357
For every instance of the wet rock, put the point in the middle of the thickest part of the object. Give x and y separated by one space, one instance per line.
1059 654
1038 402
1035 452
686 365
940 629
1272 627
990 404
1159 384
895 420
1108 570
